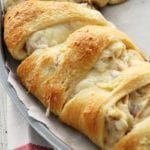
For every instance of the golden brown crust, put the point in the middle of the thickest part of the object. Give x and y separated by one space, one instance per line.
85 113
107 32
31 16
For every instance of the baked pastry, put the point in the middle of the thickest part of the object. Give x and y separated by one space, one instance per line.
114 96
97 82
51 74
32 25
99 3
94 79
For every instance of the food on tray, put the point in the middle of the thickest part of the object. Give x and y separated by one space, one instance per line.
37 24
84 70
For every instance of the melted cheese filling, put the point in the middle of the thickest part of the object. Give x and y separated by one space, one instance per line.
113 60
51 36
110 64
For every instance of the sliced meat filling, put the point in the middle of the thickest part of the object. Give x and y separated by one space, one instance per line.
121 117
140 102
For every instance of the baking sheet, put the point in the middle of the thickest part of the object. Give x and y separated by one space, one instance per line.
132 17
